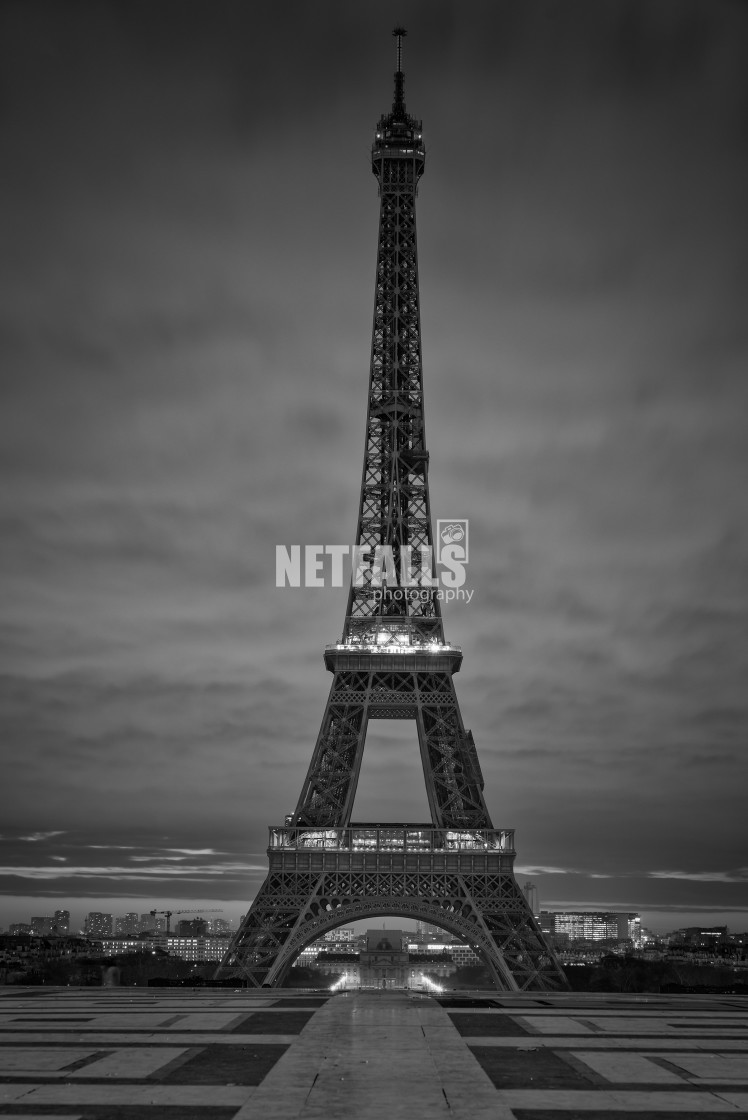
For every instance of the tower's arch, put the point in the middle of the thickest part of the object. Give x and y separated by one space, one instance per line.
453 921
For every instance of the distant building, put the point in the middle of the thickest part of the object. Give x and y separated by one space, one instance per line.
119 946
591 925
42 927
192 927
198 948
52 925
21 955
426 932
127 925
332 963
342 940
98 924
219 927
343 935
530 891
699 937
383 958
152 923
463 955
62 923
309 955
188 948
20 929
384 962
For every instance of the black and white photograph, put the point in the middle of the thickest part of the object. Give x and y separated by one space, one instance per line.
374 614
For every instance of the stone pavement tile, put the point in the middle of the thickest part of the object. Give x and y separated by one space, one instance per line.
628 1069
475 1007
130 1063
133 1021
24 1015
80 1095
270 1022
244 1005
205 1020
153 1020
653 1006
485 1006
712 1066
570 1043
300 1000
365 1095
41 1116
486 1023
466 1087
550 1024
667 1025
14 1091
17 1059
372 1056
279 1007
517 1069
173 1038
623 1101
737 1100
226 1065
737 1044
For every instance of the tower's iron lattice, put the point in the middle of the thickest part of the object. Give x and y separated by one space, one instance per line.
393 663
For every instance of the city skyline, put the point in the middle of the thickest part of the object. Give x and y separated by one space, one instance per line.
146 922
187 299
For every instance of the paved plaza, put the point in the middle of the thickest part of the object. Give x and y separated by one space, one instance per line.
218 1054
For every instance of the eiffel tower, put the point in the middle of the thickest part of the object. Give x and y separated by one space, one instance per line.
393 662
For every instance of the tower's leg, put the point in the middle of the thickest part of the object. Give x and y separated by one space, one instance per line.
518 947
330 785
454 782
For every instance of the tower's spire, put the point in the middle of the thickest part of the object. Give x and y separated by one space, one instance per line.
398 105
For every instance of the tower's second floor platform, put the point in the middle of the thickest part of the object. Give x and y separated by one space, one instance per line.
380 848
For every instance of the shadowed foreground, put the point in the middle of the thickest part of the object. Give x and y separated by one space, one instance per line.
129 1054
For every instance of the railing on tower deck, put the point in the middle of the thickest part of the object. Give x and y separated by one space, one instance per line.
396 838
397 150
389 645
401 634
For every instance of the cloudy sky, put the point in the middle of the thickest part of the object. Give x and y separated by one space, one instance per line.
188 223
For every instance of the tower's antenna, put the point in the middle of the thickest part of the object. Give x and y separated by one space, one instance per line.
399 103
399 34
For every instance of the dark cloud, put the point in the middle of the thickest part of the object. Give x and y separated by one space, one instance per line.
188 227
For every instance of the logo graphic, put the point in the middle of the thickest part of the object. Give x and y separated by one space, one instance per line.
391 575
453 535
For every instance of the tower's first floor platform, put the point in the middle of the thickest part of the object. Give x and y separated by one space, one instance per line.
461 880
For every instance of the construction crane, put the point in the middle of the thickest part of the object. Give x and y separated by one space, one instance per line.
168 913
